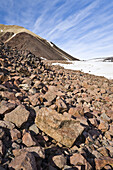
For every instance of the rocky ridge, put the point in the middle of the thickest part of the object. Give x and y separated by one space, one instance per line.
52 118
25 40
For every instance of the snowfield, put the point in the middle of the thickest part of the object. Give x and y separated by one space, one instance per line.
95 67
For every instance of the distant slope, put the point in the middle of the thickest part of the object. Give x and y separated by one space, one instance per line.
23 39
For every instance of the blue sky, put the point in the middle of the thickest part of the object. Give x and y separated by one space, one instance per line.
83 28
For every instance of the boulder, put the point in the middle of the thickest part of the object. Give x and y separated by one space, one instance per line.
25 161
63 129
18 116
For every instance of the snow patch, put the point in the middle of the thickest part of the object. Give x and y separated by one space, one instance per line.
50 43
13 36
65 58
96 68
43 58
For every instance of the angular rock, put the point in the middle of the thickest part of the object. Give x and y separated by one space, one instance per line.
50 94
6 124
62 107
28 140
34 129
18 116
62 129
24 161
74 111
15 134
6 107
102 162
37 151
59 161
78 160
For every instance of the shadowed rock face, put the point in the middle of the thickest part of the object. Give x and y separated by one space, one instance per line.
23 39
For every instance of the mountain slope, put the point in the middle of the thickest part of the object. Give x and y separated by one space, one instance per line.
25 40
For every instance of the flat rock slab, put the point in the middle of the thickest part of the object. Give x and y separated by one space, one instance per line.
62 129
6 107
18 116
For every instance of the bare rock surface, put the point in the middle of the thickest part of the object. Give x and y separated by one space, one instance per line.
25 161
58 127
18 116
52 118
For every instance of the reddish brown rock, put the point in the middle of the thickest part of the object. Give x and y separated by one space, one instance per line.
78 160
103 161
18 116
28 140
25 161
103 151
74 111
62 129
103 126
59 161
15 134
37 151
34 99
62 107
50 94
7 124
6 107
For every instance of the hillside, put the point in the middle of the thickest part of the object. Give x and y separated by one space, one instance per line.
25 40
52 118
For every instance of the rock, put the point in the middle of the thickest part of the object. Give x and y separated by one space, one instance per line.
59 161
103 151
34 99
34 129
2 133
78 160
15 134
6 107
18 116
74 111
103 126
37 151
50 94
28 140
9 95
1 168
105 117
2 148
6 124
110 149
58 127
25 161
62 107
102 162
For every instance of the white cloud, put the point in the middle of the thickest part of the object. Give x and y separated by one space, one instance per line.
82 28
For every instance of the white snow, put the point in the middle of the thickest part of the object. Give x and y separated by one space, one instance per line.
43 58
50 43
66 58
1 30
92 67
13 36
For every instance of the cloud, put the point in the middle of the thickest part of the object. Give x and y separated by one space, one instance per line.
82 28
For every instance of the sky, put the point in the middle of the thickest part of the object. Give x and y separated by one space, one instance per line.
83 28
